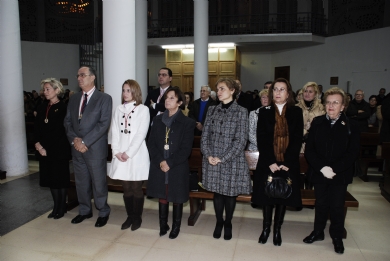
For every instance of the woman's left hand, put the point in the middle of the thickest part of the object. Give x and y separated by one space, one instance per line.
283 167
124 156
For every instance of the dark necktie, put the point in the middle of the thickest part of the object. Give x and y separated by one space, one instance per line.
84 104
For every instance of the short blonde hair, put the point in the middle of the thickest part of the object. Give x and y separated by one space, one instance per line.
311 84
263 92
55 84
337 90
135 90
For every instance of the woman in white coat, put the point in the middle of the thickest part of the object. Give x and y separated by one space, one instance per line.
130 162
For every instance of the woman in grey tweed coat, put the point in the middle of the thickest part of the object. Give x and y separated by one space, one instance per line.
224 167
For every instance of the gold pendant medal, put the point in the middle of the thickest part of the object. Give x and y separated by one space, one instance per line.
46 120
166 147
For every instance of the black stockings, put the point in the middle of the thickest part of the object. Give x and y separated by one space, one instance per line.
226 203
132 189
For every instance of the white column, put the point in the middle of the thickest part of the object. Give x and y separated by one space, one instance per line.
201 34
141 44
13 145
119 46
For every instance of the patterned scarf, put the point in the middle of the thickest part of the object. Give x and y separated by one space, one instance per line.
280 134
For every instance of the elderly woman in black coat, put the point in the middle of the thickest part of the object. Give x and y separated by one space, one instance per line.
170 145
225 170
331 150
279 139
51 143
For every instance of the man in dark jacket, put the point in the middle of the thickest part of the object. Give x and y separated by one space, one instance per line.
359 110
198 109
243 99
381 96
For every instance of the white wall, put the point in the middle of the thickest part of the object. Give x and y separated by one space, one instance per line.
155 62
44 60
361 58
256 69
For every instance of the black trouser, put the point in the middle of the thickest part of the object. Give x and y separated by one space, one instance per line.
330 199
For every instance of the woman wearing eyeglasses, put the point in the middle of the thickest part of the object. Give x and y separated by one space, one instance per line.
331 150
279 140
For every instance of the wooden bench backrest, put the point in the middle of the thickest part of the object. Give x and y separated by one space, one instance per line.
196 142
369 139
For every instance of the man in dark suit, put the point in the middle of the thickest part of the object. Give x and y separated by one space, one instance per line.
87 121
359 110
243 99
155 100
198 109
381 96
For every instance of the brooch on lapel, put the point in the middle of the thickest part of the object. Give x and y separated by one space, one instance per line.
56 110
268 107
343 123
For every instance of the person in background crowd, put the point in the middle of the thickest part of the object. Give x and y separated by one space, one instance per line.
359 110
298 96
381 96
199 108
188 103
332 148
28 108
87 121
373 120
213 95
279 140
311 107
320 93
253 117
170 145
52 146
243 99
155 99
224 167
267 84
130 162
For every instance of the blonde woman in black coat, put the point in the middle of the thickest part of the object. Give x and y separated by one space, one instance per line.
279 139
331 150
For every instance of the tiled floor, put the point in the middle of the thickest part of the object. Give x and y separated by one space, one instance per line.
47 239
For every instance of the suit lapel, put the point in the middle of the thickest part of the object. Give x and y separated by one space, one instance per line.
91 103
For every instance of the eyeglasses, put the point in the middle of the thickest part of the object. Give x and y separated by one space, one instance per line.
332 104
279 90
358 94
162 74
82 75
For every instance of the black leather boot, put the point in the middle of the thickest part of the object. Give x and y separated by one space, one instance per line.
163 210
267 221
137 213
129 205
280 211
62 207
177 214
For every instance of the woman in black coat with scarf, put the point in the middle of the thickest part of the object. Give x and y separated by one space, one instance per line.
170 145
279 139
331 150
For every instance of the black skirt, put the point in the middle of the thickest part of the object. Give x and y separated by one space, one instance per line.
54 173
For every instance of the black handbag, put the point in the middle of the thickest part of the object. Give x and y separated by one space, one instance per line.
278 186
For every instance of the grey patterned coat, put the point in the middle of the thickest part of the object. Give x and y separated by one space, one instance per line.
225 133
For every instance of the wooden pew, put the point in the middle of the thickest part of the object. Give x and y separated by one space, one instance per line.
368 142
198 198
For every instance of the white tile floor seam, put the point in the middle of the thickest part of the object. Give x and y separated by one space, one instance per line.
47 239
